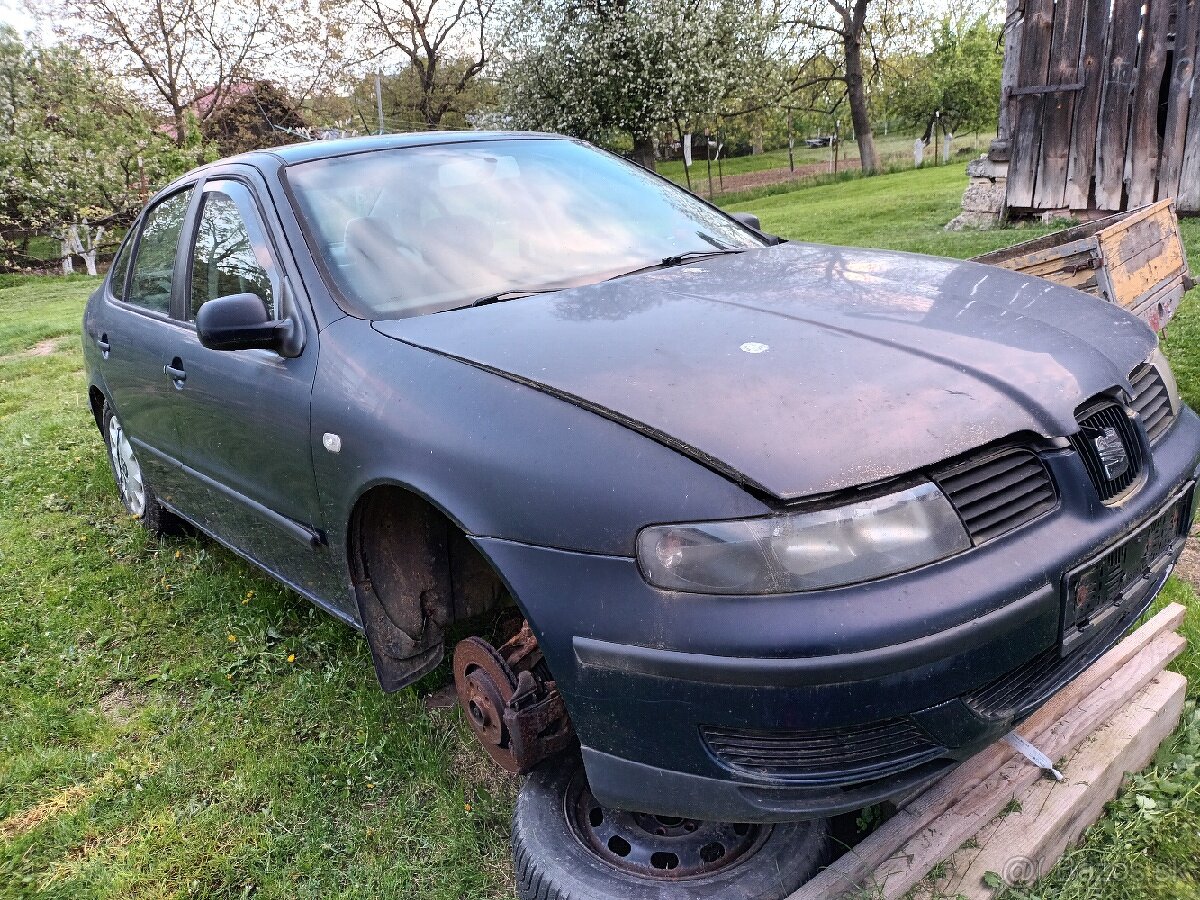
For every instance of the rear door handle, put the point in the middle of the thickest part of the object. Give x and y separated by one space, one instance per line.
102 343
175 369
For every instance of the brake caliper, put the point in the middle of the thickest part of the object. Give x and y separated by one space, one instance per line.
511 703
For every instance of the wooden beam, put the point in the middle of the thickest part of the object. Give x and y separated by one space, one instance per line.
1187 197
1112 139
1036 34
1178 98
1066 718
1144 149
1024 845
1058 106
1082 162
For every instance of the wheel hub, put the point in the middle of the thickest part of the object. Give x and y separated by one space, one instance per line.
657 847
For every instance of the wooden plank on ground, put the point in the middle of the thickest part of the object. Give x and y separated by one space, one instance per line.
1078 708
1036 32
1178 97
1024 845
1082 163
924 850
1144 149
1114 104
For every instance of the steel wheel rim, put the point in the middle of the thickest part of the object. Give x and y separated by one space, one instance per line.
128 472
659 848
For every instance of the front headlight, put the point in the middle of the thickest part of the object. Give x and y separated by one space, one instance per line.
804 551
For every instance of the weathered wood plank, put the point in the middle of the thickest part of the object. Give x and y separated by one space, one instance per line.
1058 108
1054 239
1026 844
1072 707
1144 148
1179 97
1036 32
1187 197
929 846
1114 104
1082 163
1142 252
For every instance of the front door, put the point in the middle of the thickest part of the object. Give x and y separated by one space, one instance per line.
243 415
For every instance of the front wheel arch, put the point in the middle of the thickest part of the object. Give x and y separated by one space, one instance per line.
414 572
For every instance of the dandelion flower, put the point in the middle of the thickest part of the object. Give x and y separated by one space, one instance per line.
291 657
232 638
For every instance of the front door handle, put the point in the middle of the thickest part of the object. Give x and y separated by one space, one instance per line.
175 370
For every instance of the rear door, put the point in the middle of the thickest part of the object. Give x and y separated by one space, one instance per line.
138 338
243 415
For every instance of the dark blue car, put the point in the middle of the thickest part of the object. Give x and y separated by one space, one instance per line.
760 532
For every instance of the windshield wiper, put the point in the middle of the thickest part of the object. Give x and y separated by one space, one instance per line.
669 262
509 295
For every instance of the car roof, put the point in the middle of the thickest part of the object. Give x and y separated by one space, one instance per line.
290 154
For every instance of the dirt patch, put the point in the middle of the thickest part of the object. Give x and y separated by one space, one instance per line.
120 704
43 348
27 820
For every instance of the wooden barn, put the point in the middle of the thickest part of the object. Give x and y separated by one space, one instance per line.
1100 110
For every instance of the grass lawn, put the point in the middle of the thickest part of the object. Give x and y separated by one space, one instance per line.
890 147
175 725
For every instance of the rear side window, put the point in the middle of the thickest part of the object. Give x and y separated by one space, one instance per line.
120 268
230 254
154 265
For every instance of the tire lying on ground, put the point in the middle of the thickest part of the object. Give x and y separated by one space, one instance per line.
568 847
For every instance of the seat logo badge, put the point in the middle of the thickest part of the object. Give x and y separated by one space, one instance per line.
332 442
1113 455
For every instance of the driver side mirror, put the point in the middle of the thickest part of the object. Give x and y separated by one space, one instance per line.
751 221
242 322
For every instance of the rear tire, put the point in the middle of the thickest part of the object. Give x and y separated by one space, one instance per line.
136 495
557 856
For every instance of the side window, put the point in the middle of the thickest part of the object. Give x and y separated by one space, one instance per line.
154 265
120 268
230 254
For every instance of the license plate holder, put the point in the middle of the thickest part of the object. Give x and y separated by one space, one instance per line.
1111 584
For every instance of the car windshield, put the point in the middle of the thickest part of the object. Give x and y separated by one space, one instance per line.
416 230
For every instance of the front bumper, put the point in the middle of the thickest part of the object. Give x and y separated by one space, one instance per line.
678 699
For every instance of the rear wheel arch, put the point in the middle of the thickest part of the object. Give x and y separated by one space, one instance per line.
414 573
96 401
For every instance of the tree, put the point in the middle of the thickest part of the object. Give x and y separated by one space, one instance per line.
180 51
251 115
959 77
77 153
844 33
592 68
445 45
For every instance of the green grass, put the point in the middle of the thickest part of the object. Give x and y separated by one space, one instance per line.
175 725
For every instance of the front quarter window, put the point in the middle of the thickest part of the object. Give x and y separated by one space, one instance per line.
424 229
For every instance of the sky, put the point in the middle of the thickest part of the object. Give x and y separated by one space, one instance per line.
13 12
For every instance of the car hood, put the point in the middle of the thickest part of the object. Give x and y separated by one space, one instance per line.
801 369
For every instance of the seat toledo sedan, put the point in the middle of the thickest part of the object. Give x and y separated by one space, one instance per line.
761 531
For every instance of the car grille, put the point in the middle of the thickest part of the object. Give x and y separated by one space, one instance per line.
1095 423
824 757
1151 401
998 491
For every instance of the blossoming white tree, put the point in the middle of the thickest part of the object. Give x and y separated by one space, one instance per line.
592 68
